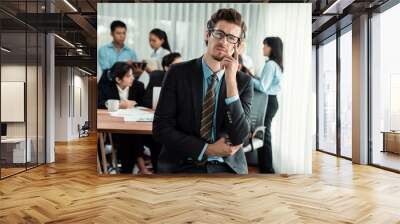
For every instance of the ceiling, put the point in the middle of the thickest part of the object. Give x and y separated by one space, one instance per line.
76 21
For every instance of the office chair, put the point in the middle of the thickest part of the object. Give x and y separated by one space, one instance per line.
84 129
257 116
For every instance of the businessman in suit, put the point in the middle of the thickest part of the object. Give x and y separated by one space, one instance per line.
202 116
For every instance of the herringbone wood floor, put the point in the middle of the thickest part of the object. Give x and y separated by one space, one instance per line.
70 191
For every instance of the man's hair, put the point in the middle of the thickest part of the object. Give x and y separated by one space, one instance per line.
117 23
169 58
229 15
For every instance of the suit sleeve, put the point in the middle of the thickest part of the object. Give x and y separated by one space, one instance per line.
101 96
147 100
103 59
238 116
140 93
165 119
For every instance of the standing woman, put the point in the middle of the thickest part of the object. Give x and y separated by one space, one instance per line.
270 83
159 43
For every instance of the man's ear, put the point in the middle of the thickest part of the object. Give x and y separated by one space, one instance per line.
206 36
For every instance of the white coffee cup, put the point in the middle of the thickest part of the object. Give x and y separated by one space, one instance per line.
112 105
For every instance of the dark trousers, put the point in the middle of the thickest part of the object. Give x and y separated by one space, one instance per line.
265 153
129 147
155 149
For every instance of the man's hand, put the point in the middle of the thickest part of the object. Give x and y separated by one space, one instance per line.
221 148
231 65
127 104
137 70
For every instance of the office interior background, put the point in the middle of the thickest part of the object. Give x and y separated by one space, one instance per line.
48 78
44 95
33 51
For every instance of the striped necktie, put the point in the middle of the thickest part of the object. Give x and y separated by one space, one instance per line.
208 110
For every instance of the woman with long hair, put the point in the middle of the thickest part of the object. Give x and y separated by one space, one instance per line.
158 40
270 83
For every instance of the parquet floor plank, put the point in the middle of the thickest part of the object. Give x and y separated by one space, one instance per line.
70 191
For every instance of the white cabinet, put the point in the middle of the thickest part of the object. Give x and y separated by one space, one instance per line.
13 150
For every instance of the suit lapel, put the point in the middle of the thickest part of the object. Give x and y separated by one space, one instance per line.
114 90
197 93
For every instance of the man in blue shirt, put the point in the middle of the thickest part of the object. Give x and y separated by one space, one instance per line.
116 50
203 113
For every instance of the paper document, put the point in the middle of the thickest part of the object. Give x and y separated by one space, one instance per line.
142 117
134 114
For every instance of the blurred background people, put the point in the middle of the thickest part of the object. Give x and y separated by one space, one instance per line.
116 50
269 82
158 41
157 77
129 91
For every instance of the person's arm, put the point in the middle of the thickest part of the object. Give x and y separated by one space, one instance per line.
134 56
266 77
237 111
101 96
238 115
140 93
103 59
165 119
148 97
238 124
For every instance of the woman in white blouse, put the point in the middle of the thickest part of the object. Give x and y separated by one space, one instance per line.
159 43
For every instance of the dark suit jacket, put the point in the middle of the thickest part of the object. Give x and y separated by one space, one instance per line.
177 118
109 90
156 80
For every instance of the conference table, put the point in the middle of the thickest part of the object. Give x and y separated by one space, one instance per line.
107 125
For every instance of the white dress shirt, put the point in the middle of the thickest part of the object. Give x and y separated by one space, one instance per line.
123 93
157 56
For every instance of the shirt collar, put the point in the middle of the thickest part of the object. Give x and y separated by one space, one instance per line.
159 50
207 72
122 90
111 45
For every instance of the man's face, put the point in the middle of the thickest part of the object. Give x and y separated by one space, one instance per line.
219 48
119 35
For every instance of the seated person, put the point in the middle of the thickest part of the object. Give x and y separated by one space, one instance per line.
125 88
157 77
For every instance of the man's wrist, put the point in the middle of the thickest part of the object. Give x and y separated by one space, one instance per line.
207 151
231 89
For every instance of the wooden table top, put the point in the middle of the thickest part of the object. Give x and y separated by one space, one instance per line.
107 123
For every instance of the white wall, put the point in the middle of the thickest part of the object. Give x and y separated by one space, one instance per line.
314 93
33 127
71 102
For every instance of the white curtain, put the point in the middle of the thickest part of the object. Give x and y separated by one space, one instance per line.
185 24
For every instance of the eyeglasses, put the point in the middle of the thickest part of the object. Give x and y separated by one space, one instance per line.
219 34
